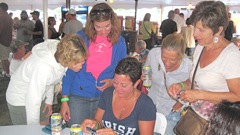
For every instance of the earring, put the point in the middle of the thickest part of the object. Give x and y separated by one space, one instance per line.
215 40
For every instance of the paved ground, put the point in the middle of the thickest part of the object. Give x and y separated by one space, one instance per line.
4 114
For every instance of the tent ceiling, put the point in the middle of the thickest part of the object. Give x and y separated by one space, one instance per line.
38 4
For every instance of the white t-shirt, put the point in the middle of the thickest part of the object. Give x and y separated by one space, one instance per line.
72 26
180 22
14 64
214 76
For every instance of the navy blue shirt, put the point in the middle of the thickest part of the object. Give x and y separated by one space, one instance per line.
144 110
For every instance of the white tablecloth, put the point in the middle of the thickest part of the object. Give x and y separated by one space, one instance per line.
27 130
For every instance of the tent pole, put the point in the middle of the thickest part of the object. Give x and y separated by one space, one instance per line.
135 18
45 16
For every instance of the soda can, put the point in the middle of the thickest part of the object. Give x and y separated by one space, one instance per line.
56 124
147 71
76 130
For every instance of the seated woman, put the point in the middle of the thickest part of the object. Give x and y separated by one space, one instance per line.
124 110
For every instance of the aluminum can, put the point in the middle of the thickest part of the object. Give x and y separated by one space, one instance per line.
147 71
76 130
56 124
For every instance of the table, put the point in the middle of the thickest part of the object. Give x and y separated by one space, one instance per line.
27 130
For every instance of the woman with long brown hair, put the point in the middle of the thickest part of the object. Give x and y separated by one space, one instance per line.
106 47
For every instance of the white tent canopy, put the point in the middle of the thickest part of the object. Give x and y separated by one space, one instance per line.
38 4
44 5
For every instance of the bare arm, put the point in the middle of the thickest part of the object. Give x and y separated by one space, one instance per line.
34 33
215 97
146 127
175 88
49 33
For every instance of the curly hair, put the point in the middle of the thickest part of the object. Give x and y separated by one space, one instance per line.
226 119
71 50
212 14
131 67
89 28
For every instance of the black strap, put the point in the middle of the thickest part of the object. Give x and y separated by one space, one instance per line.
195 70
146 29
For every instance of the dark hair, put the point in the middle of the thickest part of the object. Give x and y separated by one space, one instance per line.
181 14
171 14
50 19
147 17
188 21
131 67
225 119
4 6
212 14
102 12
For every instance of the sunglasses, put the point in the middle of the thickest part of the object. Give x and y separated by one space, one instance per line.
103 12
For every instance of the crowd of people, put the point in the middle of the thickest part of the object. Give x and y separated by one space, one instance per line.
196 66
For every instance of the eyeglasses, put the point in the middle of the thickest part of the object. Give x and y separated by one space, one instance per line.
101 12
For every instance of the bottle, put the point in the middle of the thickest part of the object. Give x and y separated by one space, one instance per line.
147 71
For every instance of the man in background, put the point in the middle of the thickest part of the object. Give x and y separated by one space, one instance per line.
73 25
6 25
168 26
22 25
37 32
179 20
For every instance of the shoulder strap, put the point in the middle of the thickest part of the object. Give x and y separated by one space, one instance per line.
195 70
146 29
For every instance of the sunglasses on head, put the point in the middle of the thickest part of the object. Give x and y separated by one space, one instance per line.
103 12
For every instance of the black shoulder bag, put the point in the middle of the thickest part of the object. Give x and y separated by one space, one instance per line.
153 38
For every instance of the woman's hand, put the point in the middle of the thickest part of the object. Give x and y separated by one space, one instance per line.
88 123
190 95
174 90
107 83
106 131
65 111
48 108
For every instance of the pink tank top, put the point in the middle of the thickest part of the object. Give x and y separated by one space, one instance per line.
100 56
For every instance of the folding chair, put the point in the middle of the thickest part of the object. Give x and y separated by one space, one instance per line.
160 124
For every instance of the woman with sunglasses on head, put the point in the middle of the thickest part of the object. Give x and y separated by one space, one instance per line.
81 91
169 65
216 63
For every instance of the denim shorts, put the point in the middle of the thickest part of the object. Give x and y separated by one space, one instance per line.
172 119
81 108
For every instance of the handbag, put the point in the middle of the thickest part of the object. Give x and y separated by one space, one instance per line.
191 123
153 38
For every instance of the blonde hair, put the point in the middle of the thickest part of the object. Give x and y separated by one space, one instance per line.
175 42
90 30
71 50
